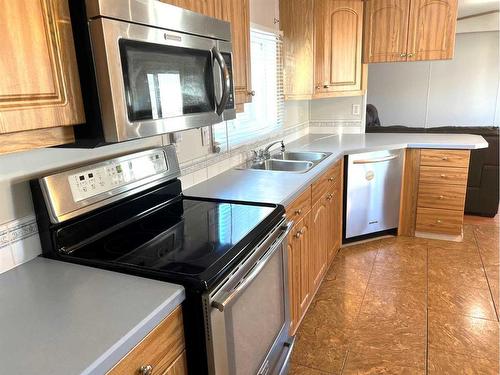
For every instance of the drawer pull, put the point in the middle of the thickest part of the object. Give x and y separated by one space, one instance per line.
298 212
441 197
439 221
146 370
443 175
329 197
444 158
331 179
299 233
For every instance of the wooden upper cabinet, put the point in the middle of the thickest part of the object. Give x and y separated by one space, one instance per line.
298 61
404 30
385 30
432 29
338 26
238 13
211 8
40 86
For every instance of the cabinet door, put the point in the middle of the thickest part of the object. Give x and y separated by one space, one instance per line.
431 34
320 236
338 44
211 8
335 222
298 270
238 13
296 23
385 30
40 86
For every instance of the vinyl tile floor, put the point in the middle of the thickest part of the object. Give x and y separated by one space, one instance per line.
407 306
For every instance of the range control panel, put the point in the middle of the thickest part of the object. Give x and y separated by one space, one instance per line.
114 174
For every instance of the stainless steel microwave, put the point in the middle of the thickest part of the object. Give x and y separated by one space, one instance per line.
158 68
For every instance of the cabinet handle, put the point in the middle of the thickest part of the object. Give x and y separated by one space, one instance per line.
326 86
298 234
410 54
441 197
251 93
298 212
439 221
403 55
331 179
443 175
444 158
146 370
329 197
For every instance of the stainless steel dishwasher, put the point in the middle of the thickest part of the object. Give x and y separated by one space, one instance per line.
373 192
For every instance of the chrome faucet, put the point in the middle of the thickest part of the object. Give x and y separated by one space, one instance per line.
266 152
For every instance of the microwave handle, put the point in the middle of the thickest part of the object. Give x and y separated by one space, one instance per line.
226 81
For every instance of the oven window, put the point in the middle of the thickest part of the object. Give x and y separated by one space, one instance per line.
165 81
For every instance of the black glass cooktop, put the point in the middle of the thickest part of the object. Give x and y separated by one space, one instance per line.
188 240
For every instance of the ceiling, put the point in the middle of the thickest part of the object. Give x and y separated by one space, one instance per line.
470 7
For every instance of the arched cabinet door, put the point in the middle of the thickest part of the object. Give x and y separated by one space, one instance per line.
385 30
431 33
338 26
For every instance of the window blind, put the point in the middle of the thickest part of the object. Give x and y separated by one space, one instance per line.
265 114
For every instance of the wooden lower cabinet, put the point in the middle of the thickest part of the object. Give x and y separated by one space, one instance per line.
298 270
162 350
179 366
320 235
433 193
314 239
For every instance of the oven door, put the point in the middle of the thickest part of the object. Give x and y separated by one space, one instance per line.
249 314
152 81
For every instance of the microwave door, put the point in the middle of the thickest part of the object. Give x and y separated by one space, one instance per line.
152 81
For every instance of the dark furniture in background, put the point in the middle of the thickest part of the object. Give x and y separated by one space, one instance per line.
482 186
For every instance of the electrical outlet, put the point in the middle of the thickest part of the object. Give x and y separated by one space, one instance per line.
356 109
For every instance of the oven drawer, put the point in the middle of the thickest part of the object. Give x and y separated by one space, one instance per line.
159 349
449 197
445 158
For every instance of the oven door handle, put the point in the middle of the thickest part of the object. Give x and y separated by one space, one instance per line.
228 297
225 78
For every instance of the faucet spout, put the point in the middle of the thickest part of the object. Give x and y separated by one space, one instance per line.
266 150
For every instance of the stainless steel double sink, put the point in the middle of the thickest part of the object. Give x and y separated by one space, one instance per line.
288 161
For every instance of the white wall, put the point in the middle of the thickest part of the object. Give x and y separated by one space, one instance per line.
463 91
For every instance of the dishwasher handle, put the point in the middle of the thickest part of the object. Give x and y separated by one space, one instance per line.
227 297
375 160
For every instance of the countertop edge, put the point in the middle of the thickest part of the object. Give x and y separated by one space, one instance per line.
123 346
319 169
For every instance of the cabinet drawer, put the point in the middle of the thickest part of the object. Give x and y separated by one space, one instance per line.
159 349
435 220
327 182
450 197
300 206
445 158
440 175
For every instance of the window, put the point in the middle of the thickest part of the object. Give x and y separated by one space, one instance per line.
265 114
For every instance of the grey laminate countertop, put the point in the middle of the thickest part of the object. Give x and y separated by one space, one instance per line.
59 318
283 187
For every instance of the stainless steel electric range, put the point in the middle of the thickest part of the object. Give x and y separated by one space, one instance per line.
128 214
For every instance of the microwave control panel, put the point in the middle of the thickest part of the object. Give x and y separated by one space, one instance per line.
110 176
